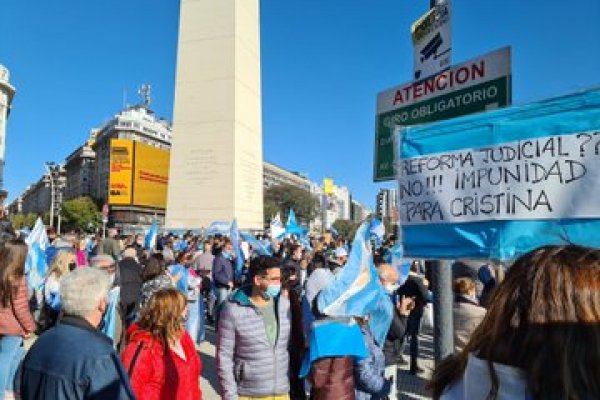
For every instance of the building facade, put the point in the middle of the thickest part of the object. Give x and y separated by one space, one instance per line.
274 175
7 92
79 169
387 204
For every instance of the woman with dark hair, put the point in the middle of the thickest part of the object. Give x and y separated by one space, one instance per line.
540 338
16 321
160 356
154 277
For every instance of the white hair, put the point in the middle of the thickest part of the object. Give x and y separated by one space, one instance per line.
129 253
82 290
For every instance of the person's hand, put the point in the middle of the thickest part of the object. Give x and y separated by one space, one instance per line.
230 284
405 305
27 335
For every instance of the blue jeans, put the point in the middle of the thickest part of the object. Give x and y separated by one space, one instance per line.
221 294
195 322
11 353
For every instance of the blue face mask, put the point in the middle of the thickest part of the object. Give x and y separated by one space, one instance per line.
226 254
272 291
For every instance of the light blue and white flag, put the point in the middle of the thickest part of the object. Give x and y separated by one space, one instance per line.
109 326
257 246
356 290
305 242
292 227
401 264
38 235
151 235
234 234
377 231
277 228
36 265
333 231
218 228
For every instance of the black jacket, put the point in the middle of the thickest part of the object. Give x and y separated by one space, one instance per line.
74 361
130 276
396 332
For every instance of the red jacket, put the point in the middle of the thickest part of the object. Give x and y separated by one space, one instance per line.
16 319
160 375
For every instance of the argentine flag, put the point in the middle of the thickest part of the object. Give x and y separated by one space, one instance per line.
377 231
151 235
401 264
218 228
356 290
35 265
257 246
277 229
292 227
234 234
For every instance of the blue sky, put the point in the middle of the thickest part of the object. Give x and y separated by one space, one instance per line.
323 62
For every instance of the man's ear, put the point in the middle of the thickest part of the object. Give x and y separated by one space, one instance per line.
103 305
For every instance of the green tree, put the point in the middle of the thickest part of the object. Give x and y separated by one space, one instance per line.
346 228
81 213
281 198
21 220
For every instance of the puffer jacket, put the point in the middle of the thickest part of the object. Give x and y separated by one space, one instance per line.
247 364
368 373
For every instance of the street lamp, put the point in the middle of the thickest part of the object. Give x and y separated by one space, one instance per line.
50 170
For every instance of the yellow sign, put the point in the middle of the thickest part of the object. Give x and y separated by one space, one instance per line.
121 164
151 176
328 186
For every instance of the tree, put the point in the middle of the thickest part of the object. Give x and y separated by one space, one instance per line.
283 197
346 228
81 213
20 220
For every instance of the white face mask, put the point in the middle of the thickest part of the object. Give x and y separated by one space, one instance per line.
391 288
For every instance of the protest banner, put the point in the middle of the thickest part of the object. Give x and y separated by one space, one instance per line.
498 184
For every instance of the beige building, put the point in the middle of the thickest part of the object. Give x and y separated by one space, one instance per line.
217 140
275 175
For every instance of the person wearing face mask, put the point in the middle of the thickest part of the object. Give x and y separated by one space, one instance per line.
73 360
388 276
253 337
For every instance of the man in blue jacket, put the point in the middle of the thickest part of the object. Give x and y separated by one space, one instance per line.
73 360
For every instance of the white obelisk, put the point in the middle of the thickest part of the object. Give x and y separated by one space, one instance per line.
216 156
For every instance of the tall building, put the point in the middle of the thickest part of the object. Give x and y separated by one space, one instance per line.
275 175
359 211
79 168
387 203
217 142
7 92
37 198
136 128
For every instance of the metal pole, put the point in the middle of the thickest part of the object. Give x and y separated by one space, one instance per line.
103 229
443 324
59 221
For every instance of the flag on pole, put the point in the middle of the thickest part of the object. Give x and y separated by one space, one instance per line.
257 246
292 226
151 235
35 264
356 290
277 229
401 264
235 241
218 228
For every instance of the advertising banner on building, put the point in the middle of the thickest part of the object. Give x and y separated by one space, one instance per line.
121 168
432 41
151 176
481 84
498 184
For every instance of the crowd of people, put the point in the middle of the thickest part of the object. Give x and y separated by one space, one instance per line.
118 319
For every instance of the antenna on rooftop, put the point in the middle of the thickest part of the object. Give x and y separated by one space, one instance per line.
144 93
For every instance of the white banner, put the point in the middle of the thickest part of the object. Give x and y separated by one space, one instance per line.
540 178
432 40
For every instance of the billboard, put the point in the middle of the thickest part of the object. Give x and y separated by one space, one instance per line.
121 167
432 40
150 176
139 174
481 84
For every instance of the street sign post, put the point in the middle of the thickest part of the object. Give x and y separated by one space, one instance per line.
105 211
432 40
480 84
